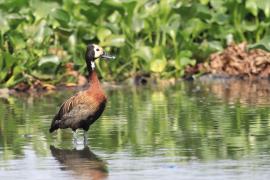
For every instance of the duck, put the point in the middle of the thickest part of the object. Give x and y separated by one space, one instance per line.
81 110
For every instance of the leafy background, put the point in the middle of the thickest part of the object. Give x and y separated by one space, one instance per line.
38 38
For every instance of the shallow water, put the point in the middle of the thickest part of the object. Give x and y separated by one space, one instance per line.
198 130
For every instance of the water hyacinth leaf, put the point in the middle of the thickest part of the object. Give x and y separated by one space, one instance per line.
49 59
114 40
185 53
17 40
61 16
158 65
114 17
48 64
64 32
177 64
183 62
42 76
72 42
137 24
164 7
1 61
95 2
194 26
8 60
14 4
204 2
145 53
220 18
42 31
249 26
3 24
43 9
174 21
12 81
218 5
120 2
18 70
215 46
262 44
251 5
14 20
184 59
158 52
16 77
103 33
265 6
203 12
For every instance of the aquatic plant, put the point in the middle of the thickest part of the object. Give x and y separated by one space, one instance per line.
38 38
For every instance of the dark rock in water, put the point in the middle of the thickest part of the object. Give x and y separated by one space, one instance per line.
141 79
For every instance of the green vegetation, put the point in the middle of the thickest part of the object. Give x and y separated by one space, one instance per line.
38 38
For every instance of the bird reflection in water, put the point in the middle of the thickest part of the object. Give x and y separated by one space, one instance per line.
84 163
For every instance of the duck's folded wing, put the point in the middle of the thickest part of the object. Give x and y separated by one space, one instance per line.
77 107
67 106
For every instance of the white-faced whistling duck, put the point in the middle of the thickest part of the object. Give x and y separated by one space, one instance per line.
85 107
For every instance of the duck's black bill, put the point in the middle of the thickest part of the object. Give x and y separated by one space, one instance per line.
107 56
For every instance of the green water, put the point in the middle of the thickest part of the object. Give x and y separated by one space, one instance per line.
189 131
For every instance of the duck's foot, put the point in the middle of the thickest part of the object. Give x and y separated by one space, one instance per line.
74 137
85 142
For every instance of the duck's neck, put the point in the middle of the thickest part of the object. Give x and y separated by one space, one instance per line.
92 77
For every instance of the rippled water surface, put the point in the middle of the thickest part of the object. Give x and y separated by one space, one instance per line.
192 131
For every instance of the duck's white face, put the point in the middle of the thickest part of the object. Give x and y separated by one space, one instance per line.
98 51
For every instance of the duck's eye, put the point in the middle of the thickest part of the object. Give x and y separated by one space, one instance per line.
97 49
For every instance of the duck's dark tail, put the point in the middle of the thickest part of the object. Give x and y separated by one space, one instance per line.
54 125
52 129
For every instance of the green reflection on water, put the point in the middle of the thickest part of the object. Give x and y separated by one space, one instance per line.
187 121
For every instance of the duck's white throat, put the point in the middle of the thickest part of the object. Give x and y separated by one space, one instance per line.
93 65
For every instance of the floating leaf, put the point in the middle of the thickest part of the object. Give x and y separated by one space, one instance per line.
158 65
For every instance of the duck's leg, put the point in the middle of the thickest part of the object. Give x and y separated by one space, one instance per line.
74 137
85 137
